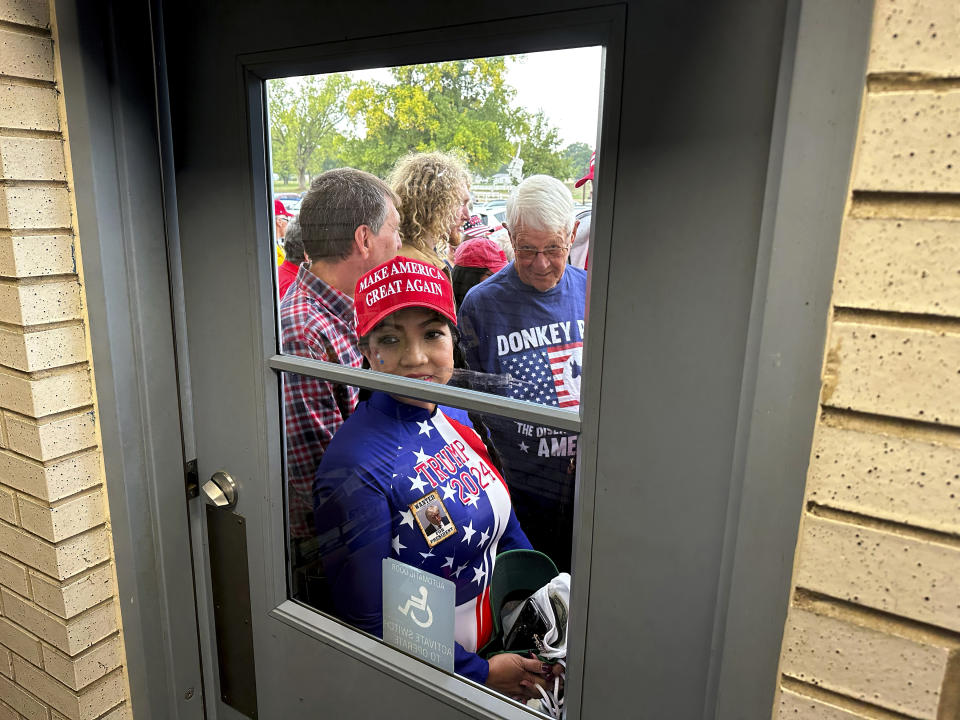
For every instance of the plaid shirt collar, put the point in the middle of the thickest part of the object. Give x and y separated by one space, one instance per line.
335 301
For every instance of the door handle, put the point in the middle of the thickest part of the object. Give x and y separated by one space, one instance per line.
220 490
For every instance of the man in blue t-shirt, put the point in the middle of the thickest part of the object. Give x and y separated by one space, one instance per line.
527 321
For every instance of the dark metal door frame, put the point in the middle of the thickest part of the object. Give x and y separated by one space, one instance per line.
121 166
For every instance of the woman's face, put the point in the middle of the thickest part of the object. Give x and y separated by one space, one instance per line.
415 343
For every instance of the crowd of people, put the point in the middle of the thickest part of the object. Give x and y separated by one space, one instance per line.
397 276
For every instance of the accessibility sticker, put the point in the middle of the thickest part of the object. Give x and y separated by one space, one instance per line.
418 613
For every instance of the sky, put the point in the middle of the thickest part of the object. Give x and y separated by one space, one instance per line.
565 84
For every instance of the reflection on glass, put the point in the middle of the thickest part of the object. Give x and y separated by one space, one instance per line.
455 269
423 485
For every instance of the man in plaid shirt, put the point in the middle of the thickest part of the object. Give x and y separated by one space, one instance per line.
348 223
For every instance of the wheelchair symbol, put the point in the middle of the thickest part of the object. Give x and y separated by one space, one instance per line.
418 603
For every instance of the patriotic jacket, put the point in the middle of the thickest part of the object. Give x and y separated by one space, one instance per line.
386 465
316 321
511 328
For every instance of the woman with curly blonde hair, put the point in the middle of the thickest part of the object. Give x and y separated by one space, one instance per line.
434 192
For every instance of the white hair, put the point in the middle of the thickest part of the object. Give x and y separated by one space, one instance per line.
540 202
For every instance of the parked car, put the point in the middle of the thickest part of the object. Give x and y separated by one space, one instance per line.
492 216
291 201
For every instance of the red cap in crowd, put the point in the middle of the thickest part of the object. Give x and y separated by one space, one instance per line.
280 210
589 175
397 284
481 253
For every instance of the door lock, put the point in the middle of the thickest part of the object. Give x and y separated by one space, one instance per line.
220 490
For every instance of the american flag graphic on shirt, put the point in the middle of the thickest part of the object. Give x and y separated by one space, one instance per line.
553 374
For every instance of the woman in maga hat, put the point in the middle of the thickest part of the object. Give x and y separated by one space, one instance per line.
397 458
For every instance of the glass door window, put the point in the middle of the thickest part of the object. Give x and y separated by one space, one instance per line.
431 251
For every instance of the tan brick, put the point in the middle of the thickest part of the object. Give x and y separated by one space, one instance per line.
90 665
121 712
54 480
40 303
912 578
7 712
910 266
62 560
35 13
910 142
66 519
86 704
6 663
794 706
20 641
883 476
28 108
36 255
869 664
71 636
13 575
24 158
42 349
917 36
70 598
45 394
22 701
26 56
902 372
8 510
50 439
24 208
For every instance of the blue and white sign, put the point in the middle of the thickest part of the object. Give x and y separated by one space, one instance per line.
418 613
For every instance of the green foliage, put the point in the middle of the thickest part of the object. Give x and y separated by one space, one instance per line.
540 148
463 106
305 124
578 156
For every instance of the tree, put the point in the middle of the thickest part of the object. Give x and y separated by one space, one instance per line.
305 123
578 156
541 147
461 105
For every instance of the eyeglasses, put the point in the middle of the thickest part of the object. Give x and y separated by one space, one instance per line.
553 252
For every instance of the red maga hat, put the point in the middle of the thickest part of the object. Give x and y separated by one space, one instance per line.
397 284
589 175
280 210
481 253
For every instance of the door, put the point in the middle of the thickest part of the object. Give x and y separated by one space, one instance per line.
673 256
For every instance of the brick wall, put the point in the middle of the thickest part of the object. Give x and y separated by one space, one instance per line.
873 630
61 650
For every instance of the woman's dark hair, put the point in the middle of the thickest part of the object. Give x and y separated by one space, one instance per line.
465 278
460 363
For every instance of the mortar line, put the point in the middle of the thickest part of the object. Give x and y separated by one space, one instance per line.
892 82
899 428
891 318
21 183
40 327
887 622
892 527
904 205
25 29
31 133
37 280
28 82
46 374
52 417
845 702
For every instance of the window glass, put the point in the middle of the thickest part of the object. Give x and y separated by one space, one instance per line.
451 494
422 161
432 222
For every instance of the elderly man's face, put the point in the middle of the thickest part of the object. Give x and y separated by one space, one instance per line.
541 256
